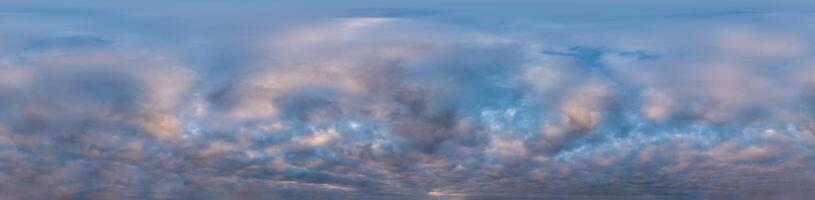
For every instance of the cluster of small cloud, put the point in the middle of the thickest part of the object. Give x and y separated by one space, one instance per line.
411 108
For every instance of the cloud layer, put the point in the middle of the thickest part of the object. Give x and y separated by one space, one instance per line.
405 102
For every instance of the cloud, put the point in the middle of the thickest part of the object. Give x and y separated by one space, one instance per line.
424 105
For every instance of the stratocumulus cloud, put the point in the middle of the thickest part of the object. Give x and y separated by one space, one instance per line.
406 101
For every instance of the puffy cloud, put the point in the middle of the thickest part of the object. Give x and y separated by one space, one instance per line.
584 107
106 83
656 105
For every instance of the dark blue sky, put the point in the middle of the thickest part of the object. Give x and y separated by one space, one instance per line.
628 99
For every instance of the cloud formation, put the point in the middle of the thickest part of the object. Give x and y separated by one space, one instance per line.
366 102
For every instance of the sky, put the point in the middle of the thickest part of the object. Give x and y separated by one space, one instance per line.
440 100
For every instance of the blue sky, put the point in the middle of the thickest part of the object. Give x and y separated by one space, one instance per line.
407 100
